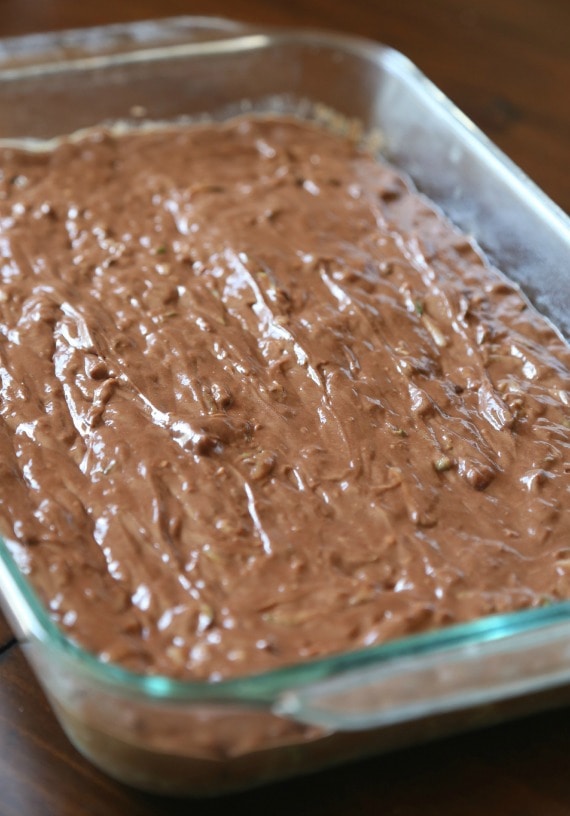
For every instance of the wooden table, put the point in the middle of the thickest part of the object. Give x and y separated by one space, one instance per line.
506 63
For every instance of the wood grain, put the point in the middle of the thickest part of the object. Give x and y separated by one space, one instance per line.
506 63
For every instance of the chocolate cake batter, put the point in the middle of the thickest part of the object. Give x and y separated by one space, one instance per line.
260 402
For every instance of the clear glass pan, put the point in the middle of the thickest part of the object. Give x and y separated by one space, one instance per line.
206 738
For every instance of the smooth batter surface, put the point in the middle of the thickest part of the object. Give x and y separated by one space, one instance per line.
260 403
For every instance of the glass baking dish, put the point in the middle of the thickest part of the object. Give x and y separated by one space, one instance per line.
201 738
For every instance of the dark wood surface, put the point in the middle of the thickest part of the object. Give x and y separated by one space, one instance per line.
5 633
506 63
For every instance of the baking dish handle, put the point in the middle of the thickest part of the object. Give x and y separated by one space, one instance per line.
105 41
409 688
